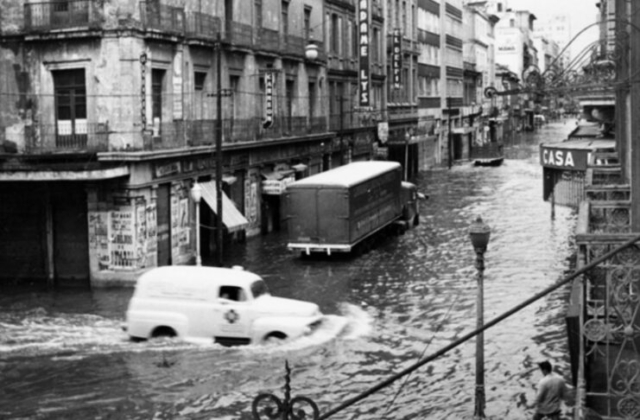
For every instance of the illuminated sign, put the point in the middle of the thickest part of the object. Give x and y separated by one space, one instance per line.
363 43
269 85
396 58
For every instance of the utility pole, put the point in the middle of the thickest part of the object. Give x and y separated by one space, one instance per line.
341 129
218 130
449 137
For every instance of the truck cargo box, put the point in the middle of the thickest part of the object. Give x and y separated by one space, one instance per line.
334 210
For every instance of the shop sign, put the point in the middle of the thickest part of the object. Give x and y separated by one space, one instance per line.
276 187
363 44
269 85
564 158
396 58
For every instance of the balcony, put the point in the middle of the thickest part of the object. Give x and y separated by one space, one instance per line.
239 34
268 40
162 18
51 16
81 137
88 137
295 45
203 26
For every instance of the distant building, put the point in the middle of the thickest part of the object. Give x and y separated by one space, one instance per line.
557 28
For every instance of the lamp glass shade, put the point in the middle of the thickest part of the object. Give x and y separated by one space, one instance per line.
196 192
479 233
311 51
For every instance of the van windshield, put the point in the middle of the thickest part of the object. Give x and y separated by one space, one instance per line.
259 288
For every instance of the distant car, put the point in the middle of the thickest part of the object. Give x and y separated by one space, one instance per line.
226 305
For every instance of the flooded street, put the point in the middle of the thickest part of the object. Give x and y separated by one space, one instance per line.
64 355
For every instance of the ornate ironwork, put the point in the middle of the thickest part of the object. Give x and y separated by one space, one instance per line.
290 409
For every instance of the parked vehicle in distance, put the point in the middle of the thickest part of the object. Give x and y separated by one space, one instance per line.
336 210
227 305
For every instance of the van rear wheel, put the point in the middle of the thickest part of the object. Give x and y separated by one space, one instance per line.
163 332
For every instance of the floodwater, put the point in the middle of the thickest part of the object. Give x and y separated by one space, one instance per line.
64 355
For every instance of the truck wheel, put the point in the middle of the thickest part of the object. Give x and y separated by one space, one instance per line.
275 337
163 332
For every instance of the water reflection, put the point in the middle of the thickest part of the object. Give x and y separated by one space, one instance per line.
406 299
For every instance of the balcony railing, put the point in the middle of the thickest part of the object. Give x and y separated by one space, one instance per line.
268 39
203 26
86 137
82 137
50 16
294 45
239 34
163 18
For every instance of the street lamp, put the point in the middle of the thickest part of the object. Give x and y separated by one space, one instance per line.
196 195
479 234
311 50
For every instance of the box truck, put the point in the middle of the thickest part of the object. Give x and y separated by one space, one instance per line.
337 210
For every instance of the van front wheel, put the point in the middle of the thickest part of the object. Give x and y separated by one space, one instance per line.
275 338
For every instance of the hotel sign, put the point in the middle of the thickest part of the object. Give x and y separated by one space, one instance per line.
396 58
364 77
269 85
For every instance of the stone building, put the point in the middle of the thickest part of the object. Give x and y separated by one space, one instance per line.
109 116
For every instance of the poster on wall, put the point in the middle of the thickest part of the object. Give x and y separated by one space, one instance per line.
175 218
99 237
251 202
123 244
152 235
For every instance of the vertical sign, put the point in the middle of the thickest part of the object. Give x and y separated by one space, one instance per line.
363 43
269 84
396 58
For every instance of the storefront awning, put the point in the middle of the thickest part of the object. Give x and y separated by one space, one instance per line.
231 216
276 175
300 167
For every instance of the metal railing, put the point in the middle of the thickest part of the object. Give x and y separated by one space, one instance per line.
86 137
203 26
161 17
49 16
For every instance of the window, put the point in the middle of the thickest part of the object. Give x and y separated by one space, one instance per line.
307 22
71 107
232 293
199 99
157 87
284 17
199 79
257 6
312 99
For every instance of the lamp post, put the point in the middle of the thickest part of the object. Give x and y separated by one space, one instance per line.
479 234
449 136
196 195
218 130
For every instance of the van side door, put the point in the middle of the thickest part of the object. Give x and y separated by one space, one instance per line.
233 313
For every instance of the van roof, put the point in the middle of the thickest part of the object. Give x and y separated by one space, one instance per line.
194 274
347 175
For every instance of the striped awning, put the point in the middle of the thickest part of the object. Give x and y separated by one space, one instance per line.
231 216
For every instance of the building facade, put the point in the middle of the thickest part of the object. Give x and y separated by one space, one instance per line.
112 115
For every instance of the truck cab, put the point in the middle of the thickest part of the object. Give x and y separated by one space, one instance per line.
410 206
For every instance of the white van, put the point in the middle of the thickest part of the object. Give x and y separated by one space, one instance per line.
227 305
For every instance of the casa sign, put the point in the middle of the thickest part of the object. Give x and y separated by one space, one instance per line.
570 159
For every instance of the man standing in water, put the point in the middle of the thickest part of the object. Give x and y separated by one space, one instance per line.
551 391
